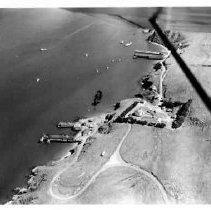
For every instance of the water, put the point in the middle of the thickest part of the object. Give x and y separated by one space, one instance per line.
67 82
191 19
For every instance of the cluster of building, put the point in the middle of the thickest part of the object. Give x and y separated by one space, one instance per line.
144 113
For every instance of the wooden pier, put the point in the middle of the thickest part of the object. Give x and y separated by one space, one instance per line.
65 125
148 55
58 138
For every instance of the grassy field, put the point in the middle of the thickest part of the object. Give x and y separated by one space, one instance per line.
121 185
180 158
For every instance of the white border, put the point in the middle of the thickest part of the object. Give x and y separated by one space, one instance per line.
106 207
100 3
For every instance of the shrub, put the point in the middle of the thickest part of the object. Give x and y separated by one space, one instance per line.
117 106
177 39
181 114
26 199
105 129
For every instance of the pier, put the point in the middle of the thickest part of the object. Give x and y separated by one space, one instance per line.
148 55
58 138
65 125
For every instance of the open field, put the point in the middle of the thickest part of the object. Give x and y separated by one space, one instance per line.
121 185
89 162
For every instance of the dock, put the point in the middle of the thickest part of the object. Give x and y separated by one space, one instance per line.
148 55
65 125
57 138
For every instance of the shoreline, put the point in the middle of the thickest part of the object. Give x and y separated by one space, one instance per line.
67 155
63 100
56 100
168 53
163 73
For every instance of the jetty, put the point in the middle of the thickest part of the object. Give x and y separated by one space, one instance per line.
57 138
149 55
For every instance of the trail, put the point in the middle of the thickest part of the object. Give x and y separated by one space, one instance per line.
163 70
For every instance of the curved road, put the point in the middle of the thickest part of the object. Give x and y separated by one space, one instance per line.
114 160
